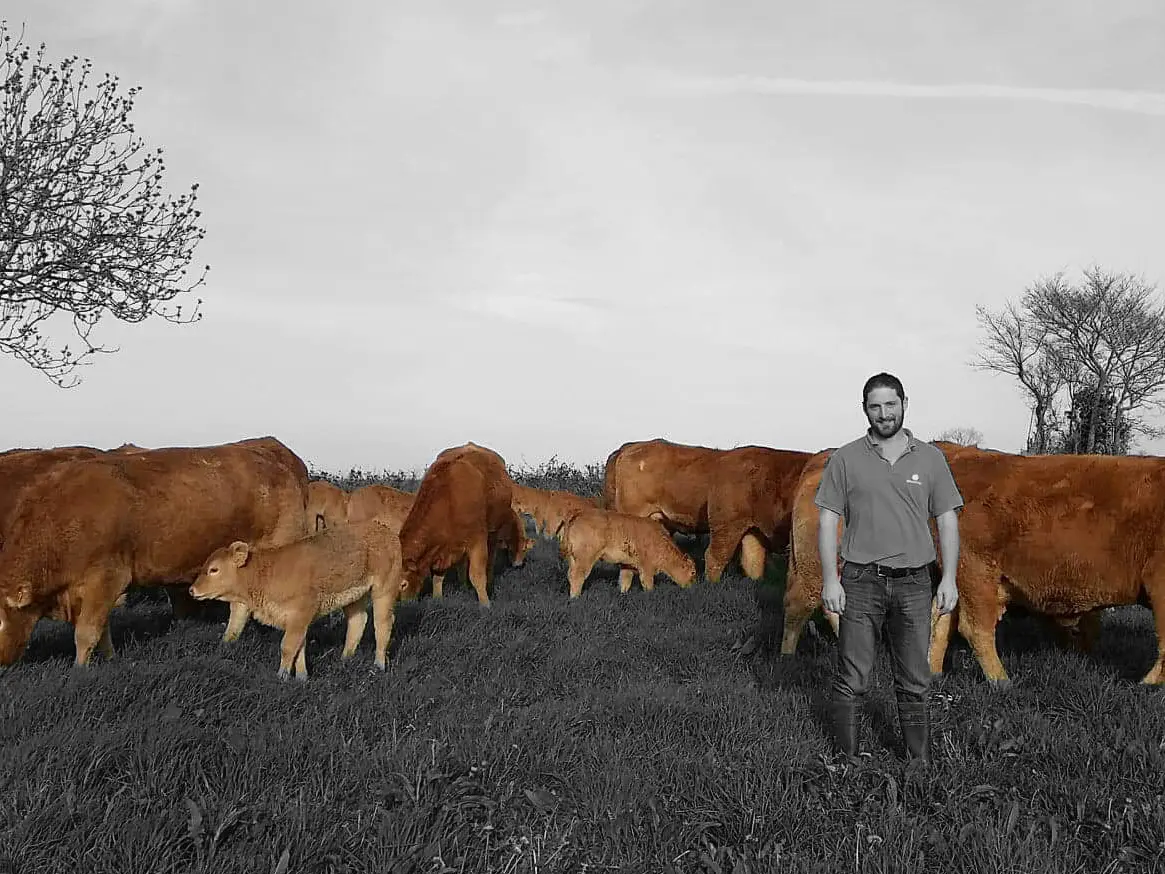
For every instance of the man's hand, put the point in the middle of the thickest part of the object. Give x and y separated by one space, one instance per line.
833 595
948 595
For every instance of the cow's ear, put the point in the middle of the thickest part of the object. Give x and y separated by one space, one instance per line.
240 552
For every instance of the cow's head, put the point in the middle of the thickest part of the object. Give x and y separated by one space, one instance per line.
220 574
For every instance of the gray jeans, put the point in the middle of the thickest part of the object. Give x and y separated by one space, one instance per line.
900 604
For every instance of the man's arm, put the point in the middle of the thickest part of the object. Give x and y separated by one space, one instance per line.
831 503
948 541
832 593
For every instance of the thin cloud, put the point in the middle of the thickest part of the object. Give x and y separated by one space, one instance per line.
1140 102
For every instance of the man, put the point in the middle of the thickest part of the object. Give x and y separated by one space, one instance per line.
887 485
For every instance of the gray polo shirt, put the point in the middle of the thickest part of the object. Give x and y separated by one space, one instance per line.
887 508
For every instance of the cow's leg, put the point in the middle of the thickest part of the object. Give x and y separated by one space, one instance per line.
752 556
236 622
383 596
626 577
479 569
92 604
16 626
105 644
982 602
722 543
291 648
438 585
356 615
90 627
1155 590
802 597
646 576
579 568
301 662
940 635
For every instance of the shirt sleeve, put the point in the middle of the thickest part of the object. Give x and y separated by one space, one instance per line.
831 491
944 494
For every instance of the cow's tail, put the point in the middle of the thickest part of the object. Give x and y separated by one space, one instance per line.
562 530
607 502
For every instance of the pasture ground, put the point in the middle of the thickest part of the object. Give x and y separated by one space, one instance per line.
619 733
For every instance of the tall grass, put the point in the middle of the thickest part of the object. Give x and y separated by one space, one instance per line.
617 733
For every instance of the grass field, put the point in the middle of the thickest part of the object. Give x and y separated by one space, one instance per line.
618 733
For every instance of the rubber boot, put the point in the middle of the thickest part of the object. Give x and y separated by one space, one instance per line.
845 726
915 723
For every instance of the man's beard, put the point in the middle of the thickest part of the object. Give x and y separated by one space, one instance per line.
888 429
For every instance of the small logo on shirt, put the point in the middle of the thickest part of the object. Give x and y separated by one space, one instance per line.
914 480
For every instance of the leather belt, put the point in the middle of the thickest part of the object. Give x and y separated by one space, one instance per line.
887 571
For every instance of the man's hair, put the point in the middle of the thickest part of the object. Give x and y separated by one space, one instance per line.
882 380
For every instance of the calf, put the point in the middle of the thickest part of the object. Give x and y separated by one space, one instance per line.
631 542
327 505
287 587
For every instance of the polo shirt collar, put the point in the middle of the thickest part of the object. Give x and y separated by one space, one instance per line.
911 442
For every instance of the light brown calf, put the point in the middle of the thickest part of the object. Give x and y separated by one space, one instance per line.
327 505
287 587
633 542
378 501
549 508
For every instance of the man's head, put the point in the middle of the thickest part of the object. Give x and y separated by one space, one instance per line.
884 403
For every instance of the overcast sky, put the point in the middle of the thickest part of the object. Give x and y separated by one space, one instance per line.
551 228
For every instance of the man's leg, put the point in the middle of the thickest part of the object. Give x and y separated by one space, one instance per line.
909 626
859 626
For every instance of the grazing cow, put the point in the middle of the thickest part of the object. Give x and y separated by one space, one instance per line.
287 587
327 505
740 497
549 508
377 501
1064 536
87 529
461 510
634 543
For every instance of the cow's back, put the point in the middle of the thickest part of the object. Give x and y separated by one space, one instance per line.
658 477
19 467
754 487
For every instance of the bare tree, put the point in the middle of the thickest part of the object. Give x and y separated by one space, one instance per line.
1112 330
86 230
1016 347
963 435
1100 343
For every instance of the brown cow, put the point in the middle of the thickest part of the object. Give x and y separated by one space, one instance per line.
88 528
633 542
462 507
739 497
1064 536
19 467
327 505
376 501
549 508
287 587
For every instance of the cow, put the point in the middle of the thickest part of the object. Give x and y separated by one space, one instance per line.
635 543
1064 536
88 528
287 587
549 508
376 501
461 510
327 505
740 497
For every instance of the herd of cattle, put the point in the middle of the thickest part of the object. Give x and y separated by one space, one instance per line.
1065 536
